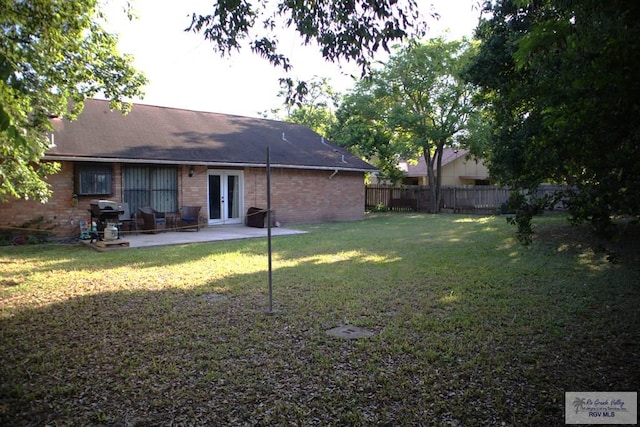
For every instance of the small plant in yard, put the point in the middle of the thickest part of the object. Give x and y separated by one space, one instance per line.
468 327
380 207
524 208
34 231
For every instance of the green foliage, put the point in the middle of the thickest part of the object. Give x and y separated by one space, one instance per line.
415 105
351 30
316 108
36 230
380 207
524 208
343 30
53 55
361 128
556 77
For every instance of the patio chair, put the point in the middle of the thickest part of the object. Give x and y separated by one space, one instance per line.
152 220
126 220
189 217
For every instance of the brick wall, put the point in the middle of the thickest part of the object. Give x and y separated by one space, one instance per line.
193 189
60 213
296 196
307 195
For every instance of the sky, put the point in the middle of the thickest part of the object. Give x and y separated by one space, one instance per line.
184 72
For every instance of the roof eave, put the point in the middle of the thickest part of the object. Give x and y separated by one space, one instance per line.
201 163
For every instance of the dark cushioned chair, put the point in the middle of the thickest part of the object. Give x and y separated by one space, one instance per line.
189 217
153 221
126 220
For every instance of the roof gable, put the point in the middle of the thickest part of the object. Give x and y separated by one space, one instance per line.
419 168
170 135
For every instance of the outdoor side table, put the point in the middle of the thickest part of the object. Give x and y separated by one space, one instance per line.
171 219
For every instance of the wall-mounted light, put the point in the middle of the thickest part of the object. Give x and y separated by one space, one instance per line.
191 172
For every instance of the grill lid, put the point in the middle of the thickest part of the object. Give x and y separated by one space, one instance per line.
106 205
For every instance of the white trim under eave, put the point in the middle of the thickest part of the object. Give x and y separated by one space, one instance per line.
200 163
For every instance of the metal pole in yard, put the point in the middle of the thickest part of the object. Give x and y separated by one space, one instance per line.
269 229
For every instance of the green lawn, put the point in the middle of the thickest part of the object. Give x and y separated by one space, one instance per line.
470 327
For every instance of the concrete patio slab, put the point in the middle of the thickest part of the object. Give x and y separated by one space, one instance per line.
206 234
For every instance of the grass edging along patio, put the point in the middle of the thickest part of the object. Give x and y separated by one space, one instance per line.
468 327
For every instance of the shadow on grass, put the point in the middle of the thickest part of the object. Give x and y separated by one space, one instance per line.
364 237
460 336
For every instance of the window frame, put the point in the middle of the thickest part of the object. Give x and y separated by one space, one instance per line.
93 179
142 185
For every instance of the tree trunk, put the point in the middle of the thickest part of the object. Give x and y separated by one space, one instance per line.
433 199
438 161
435 181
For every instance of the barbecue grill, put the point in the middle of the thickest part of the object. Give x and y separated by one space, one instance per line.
105 212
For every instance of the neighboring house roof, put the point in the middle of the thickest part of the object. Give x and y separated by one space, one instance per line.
449 155
150 134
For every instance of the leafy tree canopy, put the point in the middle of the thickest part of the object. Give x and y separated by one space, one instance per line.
350 30
53 55
415 105
317 109
362 127
560 80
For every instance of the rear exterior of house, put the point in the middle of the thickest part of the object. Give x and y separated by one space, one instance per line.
457 169
168 158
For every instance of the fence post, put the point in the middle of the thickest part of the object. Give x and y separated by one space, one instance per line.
455 199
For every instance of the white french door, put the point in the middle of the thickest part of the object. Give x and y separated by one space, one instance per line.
225 196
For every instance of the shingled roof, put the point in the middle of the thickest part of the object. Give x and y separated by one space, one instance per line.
420 168
150 134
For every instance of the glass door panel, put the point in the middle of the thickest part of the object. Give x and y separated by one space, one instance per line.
215 197
225 197
233 197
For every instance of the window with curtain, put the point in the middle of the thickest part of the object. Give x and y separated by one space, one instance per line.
155 186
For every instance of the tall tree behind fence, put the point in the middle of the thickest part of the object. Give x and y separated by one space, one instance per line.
464 199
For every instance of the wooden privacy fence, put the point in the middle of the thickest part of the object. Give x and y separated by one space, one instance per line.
467 199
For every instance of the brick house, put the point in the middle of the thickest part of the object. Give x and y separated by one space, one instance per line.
167 158
457 169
